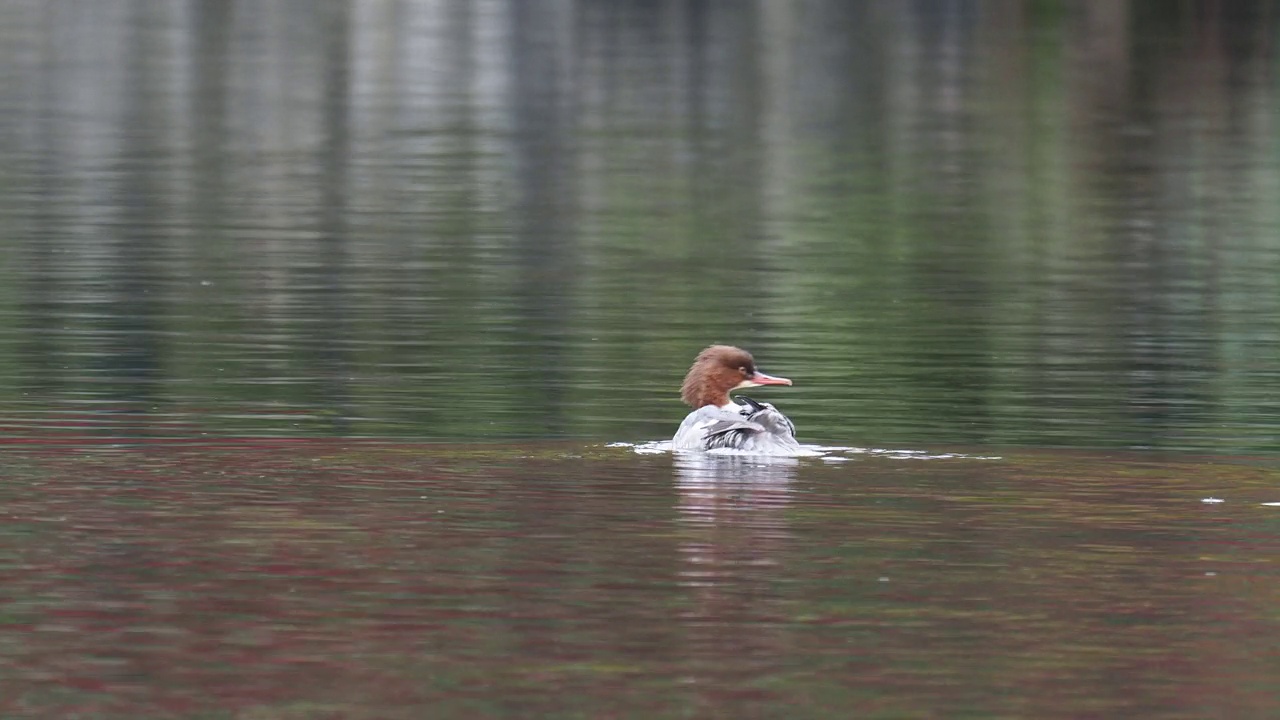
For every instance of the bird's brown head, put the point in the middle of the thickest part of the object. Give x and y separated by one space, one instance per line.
719 369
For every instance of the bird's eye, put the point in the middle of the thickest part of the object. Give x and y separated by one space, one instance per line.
746 371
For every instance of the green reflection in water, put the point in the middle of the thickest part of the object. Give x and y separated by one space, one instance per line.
949 226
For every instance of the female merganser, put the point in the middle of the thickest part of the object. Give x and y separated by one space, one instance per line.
717 421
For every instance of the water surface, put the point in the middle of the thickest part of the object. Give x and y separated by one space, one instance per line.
949 222
317 320
308 579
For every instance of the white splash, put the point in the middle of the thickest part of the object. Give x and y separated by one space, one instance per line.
828 453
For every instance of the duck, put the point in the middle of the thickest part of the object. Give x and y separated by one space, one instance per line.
717 421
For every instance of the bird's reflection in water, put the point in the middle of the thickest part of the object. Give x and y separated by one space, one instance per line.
735 539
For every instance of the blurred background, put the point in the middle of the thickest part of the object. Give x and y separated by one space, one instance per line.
951 223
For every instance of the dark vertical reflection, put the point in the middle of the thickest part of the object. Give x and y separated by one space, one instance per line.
953 265
331 294
209 202
721 86
695 88
455 207
730 108
1158 290
41 287
212 35
544 228
131 362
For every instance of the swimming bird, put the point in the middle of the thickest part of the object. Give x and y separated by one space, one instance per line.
719 422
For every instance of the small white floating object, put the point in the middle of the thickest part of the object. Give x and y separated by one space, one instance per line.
1212 500
1275 504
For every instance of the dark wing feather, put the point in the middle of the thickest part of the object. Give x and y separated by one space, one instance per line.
729 433
768 418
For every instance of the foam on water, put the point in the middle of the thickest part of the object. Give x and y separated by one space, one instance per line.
828 453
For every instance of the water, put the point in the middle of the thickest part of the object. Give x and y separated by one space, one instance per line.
316 579
317 321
